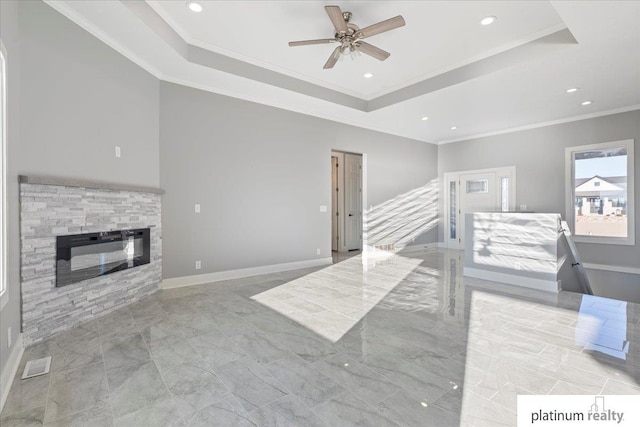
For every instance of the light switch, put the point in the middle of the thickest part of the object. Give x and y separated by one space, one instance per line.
118 151
197 208
323 208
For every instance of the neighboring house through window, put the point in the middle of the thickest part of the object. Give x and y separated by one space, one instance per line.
600 192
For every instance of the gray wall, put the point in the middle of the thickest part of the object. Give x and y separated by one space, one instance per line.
539 157
10 314
260 175
71 100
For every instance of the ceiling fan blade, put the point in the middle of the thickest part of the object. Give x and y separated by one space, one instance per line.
333 58
309 42
373 51
335 14
381 27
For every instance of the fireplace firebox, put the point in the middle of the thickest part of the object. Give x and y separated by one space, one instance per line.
84 256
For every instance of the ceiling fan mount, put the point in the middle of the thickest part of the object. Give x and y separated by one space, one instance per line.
350 36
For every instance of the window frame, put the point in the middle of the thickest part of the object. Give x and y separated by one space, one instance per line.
570 192
4 292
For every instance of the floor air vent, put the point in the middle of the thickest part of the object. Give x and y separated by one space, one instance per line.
36 367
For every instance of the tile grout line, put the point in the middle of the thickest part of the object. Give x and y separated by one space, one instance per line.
106 377
46 402
152 359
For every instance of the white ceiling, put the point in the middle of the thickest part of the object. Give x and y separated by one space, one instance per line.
438 37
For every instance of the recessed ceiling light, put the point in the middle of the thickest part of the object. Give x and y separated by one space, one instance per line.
573 89
488 20
453 128
368 75
194 6
586 103
425 118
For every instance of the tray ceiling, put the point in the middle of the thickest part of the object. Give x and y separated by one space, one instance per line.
443 64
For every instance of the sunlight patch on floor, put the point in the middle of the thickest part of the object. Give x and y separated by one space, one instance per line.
332 300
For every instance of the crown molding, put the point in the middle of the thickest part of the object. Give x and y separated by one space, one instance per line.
544 124
323 116
88 26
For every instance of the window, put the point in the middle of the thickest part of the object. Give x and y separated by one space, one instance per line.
504 194
452 210
478 186
600 190
3 167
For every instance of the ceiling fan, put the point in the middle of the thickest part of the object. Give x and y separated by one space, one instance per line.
350 36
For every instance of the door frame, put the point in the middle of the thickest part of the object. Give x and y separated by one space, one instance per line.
341 201
335 199
448 177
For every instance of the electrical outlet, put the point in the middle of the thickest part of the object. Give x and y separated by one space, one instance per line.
523 207
9 337
198 265
197 208
323 208
118 152
517 266
318 251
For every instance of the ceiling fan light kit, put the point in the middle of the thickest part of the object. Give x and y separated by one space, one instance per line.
350 37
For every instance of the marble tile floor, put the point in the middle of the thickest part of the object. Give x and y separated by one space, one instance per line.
399 340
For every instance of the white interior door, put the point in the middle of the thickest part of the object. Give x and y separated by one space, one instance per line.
483 190
353 201
478 193
334 203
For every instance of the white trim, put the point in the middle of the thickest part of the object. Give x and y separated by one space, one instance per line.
88 26
273 103
447 177
4 135
544 124
614 268
417 248
504 48
200 279
10 370
512 279
340 208
253 61
92 29
569 193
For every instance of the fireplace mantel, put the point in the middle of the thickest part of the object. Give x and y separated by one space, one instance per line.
85 183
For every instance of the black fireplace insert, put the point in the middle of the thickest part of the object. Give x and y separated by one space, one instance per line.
84 256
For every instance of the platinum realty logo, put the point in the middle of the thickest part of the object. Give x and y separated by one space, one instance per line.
578 410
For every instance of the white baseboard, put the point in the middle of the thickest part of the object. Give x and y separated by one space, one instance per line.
201 279
417 248
614 268
10 369
513 279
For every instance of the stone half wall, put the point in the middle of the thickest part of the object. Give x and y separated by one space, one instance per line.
47 211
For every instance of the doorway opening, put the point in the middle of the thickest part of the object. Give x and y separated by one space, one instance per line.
485 190
346 203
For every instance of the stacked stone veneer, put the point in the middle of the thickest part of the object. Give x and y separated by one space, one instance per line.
48 211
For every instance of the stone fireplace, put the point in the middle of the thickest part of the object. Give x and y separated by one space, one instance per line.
116 232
